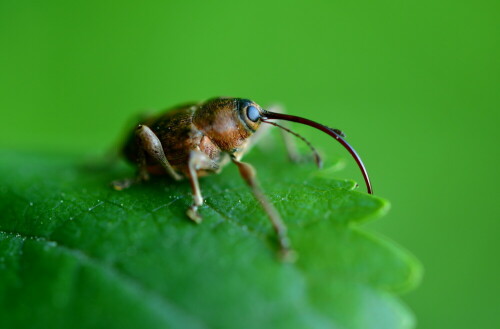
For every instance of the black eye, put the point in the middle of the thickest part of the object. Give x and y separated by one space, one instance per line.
253 114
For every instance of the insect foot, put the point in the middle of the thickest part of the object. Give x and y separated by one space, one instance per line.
288 255
122 184
193 214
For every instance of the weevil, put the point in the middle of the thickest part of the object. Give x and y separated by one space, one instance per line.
199 139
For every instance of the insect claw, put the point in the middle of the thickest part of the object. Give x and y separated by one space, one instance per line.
319 161
122 184
193 214
176 176
288 255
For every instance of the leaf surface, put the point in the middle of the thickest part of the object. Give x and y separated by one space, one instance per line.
75 253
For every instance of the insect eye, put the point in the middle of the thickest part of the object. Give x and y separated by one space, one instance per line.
253 114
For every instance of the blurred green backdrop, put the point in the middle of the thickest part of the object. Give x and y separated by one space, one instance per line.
414 84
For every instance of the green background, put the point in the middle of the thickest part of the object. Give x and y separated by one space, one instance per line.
413 84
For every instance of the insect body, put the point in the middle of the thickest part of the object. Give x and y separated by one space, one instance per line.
195 140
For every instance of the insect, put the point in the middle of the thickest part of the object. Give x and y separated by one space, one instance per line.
198 139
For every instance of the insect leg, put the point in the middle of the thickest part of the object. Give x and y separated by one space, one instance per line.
112 156
142 173
249 175
291 147
196 161
151 145
148 143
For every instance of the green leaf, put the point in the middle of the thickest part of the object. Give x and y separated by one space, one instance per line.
74 253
